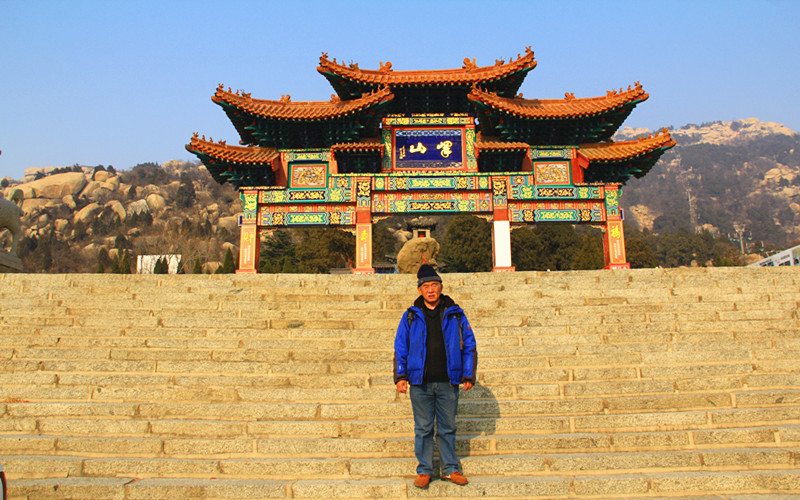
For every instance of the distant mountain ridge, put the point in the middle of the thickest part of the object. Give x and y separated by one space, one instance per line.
720 176
719 133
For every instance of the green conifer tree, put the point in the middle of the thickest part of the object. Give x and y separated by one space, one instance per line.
228 266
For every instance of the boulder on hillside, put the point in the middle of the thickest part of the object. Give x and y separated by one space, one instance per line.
230 246
210 267
69 201
108 185
33 205
100 195
118 209
416 252
230 223
87 190
87 213
156 202
32 171
60 224
58 185
138 207
148 189
101 175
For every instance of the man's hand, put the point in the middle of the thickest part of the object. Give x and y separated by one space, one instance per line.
467 386
402 386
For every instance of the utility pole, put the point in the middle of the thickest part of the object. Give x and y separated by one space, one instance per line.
739 229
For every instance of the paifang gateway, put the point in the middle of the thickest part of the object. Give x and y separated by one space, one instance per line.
429 142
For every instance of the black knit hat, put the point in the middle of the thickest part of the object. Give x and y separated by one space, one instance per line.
427 273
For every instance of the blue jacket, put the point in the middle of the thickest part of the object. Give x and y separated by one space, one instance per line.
410 344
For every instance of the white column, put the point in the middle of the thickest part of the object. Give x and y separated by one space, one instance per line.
501 245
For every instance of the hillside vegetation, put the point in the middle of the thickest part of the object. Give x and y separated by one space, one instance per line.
84 219
721 176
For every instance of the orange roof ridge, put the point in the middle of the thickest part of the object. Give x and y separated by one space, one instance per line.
570 106
232 154
366 143
489 143
470 72
615 151
287 109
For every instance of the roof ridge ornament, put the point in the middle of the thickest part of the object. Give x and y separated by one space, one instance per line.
569 96
469 64
286 98
385 68
335 98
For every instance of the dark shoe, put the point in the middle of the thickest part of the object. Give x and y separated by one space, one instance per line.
456 478
422 481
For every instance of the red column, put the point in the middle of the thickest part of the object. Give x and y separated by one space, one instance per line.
249 242
249 248
614 237
363 264
501 227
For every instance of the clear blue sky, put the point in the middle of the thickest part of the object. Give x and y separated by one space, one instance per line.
123 82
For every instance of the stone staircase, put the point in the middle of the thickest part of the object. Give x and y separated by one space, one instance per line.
592 384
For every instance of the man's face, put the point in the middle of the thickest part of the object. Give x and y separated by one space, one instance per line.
431 291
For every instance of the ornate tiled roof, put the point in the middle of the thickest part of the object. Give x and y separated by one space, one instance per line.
285 109
366 144
569 107
470 73
486 143
221 152
623 150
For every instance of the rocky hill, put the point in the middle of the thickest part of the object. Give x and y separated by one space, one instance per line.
86 219
721 176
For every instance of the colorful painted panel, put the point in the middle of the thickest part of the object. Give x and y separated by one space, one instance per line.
545 154
308 176
291 156
432 202
428 120
612 204
363 193
426 183
249 206
500 191
311 195
428 148
522 188
551 173
555 215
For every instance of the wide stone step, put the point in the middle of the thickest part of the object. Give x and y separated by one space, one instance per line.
42 466
697 485
178 439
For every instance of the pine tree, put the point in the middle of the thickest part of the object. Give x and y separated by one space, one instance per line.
228 266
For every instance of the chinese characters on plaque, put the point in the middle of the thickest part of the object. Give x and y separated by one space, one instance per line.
428 148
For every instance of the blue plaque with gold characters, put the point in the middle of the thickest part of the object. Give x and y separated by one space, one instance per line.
423 148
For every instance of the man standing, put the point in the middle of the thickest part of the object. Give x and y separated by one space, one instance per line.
434 351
